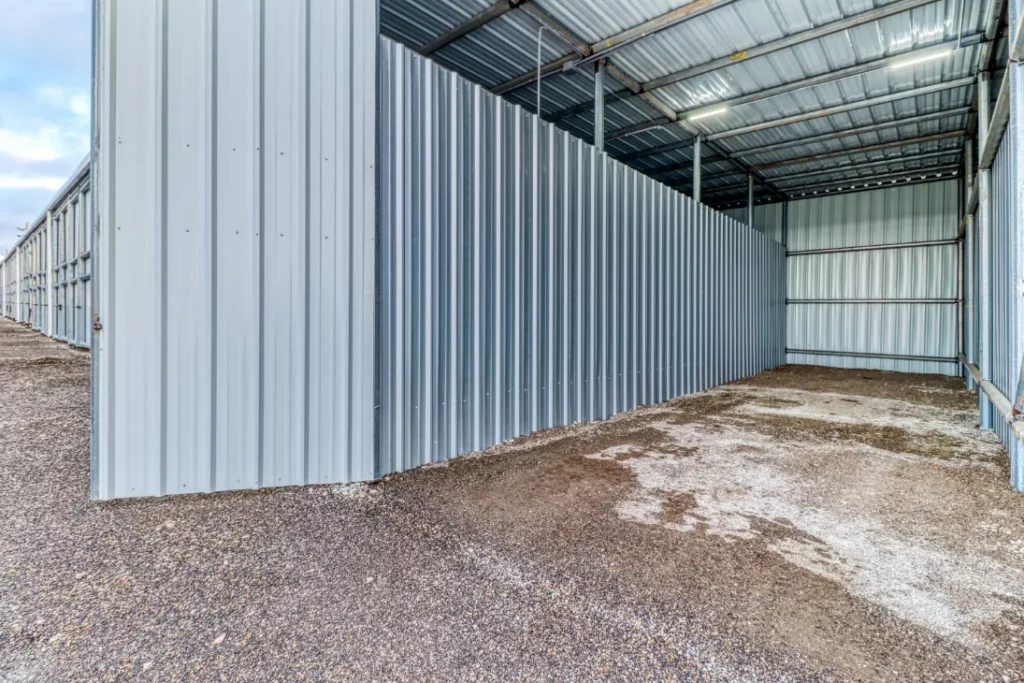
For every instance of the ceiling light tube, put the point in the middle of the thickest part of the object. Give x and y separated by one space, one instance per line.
921 59
706 114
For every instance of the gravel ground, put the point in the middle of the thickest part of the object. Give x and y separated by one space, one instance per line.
806 524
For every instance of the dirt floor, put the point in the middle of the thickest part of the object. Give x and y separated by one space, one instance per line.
805 524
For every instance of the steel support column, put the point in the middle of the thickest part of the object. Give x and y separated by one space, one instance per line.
599 106
750 201
984 256
48 280
969 308
697 144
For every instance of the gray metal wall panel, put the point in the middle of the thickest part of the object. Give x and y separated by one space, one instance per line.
235 247
768 218
825 322
928 211
1008 265
529 281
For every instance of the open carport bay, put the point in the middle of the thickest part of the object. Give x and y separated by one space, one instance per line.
806 523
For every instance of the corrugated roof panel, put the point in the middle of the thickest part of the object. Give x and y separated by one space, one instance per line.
506 48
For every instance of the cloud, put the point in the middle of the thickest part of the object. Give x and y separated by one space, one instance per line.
15 182
81 106
48 143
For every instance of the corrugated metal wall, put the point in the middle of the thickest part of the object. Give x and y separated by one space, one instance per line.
529 281
235 183
768 218
888 302
1007 350
1007 201
56 252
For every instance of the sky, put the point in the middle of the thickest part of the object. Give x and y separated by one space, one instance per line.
45 91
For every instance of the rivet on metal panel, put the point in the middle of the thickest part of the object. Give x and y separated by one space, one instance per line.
96 325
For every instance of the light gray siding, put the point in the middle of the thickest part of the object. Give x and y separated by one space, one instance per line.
235 178
530 281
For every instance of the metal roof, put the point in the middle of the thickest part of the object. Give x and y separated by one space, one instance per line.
795 76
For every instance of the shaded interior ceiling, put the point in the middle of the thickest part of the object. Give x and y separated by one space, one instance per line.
811 97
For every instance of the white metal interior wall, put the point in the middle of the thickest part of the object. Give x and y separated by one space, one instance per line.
861 308
235 181
528 280
46 275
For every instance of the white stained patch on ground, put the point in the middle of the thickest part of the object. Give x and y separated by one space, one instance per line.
826 505
916 419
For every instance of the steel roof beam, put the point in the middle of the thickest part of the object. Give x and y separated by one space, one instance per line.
828 77
864 180
481 18
789 41
848 186
845 107
768 48
670 147
602 48
870 164
838 135
786 88
993 15
859 150
652 27
666 111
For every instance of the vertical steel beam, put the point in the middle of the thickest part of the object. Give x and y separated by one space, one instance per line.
17 284
750 201
599 106
984 256
696 167
50 281
969 307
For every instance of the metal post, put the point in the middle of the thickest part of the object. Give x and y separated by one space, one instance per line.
750 201
969 307
540 45
984 256
696 168
599 106
51 299
17 285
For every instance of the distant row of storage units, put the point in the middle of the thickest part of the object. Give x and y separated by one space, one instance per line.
45 277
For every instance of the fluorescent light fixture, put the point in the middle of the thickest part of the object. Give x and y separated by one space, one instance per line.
921 59
706 114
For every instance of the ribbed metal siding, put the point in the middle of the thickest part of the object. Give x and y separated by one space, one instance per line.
1008 271
529 281
235 183
768 218
71 249
829 321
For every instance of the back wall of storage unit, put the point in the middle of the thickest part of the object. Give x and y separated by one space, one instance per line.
872 279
